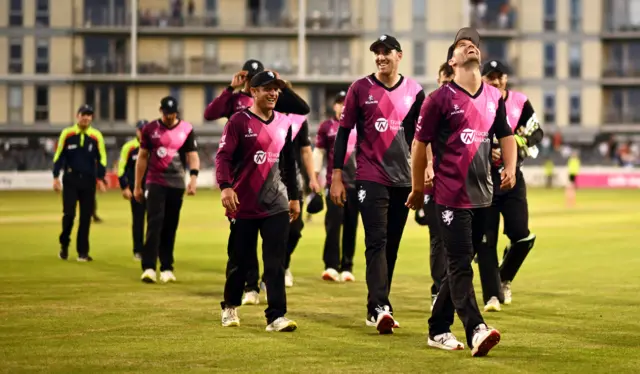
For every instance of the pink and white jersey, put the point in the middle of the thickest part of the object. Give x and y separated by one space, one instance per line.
380 113
167 148
248 160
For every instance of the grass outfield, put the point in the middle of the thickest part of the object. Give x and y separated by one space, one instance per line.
575 300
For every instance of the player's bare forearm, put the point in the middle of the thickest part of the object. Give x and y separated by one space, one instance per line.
509 152
141 166
193 160
429 154
418 164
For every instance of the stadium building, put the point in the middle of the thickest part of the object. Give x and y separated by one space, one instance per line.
573 58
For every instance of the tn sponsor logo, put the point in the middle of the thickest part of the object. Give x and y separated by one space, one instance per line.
260 157
382 124
469 136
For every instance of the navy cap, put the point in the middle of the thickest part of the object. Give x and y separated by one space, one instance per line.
141 124
266 77
494 66
85 109
341 96
387 41
315 203
169 105
253 67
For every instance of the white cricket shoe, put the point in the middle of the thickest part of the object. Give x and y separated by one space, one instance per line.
282 324
251 298
331 275
446 341
493 305
506 289
346 276
288 278
484 338
149 276
230 317
167 276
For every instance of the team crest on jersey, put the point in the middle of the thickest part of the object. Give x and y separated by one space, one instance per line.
447 217
370 100
408 101
491 107
161 152
155 135
182 136
362 194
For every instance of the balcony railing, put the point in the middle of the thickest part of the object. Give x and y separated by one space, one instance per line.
629 69
618 115
315 20
484 17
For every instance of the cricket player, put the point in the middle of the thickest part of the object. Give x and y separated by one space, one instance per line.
256 200
303 159
512 204
231 101
127 178
167 146
427 214
338 268
384 107
82 157
459 120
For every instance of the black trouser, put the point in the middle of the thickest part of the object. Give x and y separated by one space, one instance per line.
274 232
462 231
513 206
335 218
163 216
295 233
384 216
253 272
437 253
77 189
138 212
95 208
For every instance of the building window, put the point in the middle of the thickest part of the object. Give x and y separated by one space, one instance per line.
176 57
419 15
209 95
329 57
120 103
494 49
575 108
15 13
211 65
90 96
274 54
575 60
42 103
419 64
15 56
104 102
550 107
15 104
549 15
42 56
385 15
175 91
42 13
575 15
549 60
